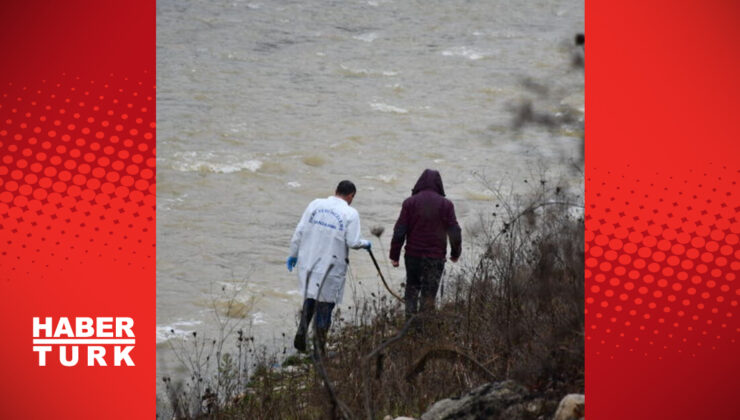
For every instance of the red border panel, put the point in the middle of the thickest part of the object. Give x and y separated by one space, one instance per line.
77 199
662 253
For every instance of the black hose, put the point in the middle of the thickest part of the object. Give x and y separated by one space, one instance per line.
377 267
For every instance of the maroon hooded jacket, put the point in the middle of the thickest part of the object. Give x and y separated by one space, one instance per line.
427 218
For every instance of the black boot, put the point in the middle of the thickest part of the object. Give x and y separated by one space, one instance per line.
299 342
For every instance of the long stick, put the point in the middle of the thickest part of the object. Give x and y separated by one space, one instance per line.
367 388
381 276
318 360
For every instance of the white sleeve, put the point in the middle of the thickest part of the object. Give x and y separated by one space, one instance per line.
353 238
295 241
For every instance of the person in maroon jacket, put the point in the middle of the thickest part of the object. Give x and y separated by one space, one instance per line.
427 219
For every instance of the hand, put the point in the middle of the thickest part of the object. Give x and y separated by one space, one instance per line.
368 245
290 263
394 263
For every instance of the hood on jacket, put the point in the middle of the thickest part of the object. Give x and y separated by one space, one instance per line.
429 180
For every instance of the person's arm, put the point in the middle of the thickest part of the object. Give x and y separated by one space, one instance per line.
352 235
399 235
454 233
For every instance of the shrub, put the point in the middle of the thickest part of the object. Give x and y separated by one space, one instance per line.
514 311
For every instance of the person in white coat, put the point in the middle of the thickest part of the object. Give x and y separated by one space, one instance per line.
320 249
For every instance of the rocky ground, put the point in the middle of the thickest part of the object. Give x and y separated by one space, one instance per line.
504 400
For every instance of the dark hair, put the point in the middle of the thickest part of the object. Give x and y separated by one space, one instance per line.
345 188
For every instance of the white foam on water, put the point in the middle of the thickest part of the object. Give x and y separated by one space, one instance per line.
350 71
388 179
211 162
179 329
378 106
467 52
367 37
258 319
168 203
376 3
250 165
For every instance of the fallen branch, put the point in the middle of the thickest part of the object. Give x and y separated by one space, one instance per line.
319 362
449 353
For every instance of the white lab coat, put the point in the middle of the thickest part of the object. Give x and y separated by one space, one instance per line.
326 231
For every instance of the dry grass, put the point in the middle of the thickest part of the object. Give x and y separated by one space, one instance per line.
515 312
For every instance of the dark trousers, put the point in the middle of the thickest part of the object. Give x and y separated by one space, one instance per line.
323 322
422 281
323 314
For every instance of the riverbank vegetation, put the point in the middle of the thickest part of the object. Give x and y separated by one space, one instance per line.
512 311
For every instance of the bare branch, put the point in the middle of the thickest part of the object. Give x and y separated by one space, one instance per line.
448 353
366 364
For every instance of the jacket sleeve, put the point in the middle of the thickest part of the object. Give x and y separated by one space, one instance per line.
295 241
453 232
352 235
399 233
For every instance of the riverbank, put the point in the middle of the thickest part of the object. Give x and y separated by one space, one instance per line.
514 314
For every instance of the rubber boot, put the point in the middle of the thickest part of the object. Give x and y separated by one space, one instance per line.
299 342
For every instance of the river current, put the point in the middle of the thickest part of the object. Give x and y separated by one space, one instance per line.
264 106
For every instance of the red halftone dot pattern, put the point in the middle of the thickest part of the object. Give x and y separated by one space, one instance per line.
71 184
662 263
